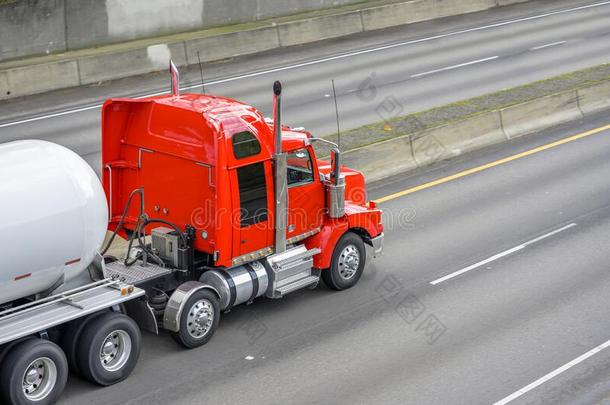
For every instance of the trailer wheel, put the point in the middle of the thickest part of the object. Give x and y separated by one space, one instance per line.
199 319
109 349
347 263
33 372
70 339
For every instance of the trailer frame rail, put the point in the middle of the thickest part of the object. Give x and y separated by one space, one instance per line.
40 315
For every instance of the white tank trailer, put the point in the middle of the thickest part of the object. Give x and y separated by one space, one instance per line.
53 217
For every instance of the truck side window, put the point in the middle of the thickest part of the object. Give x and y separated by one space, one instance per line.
300 168
252 194
245 145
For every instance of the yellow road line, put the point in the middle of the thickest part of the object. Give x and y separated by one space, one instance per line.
492 164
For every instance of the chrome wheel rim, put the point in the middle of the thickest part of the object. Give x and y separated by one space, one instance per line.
349 261
115 350
39 379
199 319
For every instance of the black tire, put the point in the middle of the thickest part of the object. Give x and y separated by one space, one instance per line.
70 339
123 339
189 335
5 350
17 363
341 275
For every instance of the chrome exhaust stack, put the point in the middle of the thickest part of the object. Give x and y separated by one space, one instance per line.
336 187
281 173
173 70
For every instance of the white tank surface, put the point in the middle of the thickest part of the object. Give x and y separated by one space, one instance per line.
53 217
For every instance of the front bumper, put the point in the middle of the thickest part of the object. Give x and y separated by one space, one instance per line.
377 244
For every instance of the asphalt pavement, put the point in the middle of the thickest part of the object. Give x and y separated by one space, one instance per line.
530 241
420 66
493 286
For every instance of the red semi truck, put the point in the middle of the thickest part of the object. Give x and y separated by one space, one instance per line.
219 206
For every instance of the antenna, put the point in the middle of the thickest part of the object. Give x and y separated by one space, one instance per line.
337 115
201 71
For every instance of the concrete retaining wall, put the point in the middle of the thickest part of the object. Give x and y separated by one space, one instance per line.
92 21
31 28
34 27
412 151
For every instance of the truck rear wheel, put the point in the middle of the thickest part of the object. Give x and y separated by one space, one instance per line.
109 348
347 263
199 319
33 372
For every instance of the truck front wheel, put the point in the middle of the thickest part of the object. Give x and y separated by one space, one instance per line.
109 348
33 372
347 263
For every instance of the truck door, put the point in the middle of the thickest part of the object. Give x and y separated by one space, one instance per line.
305 193
251 184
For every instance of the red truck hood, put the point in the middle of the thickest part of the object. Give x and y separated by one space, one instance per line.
355 185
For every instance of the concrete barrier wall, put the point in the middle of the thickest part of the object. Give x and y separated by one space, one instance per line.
508 2
594 98
412 151
102 67
419 10
382 159
523 119
233 44
456 139
35 27
38 78
319 28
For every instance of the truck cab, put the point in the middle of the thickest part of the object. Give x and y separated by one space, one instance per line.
218 207
208 162
238 203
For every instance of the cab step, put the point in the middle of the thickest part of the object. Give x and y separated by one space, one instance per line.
297 285
290 271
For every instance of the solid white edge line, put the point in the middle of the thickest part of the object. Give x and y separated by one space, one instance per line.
474 62
502 254
553 374
57 114
537 48
330 58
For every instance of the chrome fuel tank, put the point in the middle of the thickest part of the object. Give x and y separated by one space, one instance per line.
239 284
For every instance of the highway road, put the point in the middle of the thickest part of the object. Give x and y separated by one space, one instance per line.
488 284
420 66
493 287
